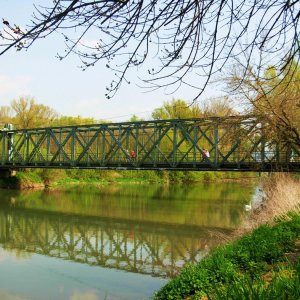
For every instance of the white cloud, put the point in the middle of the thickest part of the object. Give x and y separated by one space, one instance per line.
86 44
14 86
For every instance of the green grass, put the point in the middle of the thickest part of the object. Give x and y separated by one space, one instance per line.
239 270
58 177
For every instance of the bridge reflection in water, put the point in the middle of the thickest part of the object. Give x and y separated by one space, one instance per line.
142 247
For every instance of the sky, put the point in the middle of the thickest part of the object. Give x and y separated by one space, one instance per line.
63 86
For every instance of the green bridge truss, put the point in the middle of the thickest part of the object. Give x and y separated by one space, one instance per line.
234 143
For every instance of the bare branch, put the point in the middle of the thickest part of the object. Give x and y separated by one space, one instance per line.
189 39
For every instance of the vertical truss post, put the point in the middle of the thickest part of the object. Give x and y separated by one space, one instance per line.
48 146
216 142
98 148
88 148
10 142
238 149
174 144
73 147
127 140
119 151
27 146
137 142
59 147
143 139
155 149
35 156
194 146
3 148
158 144
103 146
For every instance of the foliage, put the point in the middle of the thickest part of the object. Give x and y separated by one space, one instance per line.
25 112
235 271
180 109
22 179
176 109
135 118
68 120
29 114
28 177
218 107
5 114
58 176
284 284
273 99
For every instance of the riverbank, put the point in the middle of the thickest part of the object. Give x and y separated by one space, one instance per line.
41 178
261 262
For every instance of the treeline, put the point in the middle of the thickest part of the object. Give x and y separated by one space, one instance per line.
25 112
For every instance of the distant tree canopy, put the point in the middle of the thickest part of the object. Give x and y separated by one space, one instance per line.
176 109
69 120
25 112
184 36
28 114
180 109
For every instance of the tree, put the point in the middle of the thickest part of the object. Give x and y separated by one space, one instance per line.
274 101
68 121
184 36
5 115
180 109
176 109
29 114
217 107
135 118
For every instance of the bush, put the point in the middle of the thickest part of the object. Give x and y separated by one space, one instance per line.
235 271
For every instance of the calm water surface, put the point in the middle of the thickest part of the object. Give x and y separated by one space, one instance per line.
110 242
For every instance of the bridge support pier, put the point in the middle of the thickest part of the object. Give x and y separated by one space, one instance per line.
6 173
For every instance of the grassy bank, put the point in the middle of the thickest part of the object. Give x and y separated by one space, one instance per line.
261 262
30 178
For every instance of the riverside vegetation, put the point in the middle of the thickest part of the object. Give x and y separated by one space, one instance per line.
36 178
262 261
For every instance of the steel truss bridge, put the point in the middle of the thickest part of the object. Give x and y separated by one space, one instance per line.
143 247
234 143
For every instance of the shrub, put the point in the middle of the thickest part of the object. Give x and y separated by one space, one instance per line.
235 271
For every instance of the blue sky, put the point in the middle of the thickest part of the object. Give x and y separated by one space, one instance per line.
63 86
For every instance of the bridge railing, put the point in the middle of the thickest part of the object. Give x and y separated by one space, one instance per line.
162 159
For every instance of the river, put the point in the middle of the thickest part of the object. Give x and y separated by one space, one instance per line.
110 242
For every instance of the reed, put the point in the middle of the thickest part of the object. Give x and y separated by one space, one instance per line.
281 196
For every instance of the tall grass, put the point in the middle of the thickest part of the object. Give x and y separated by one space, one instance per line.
281 195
